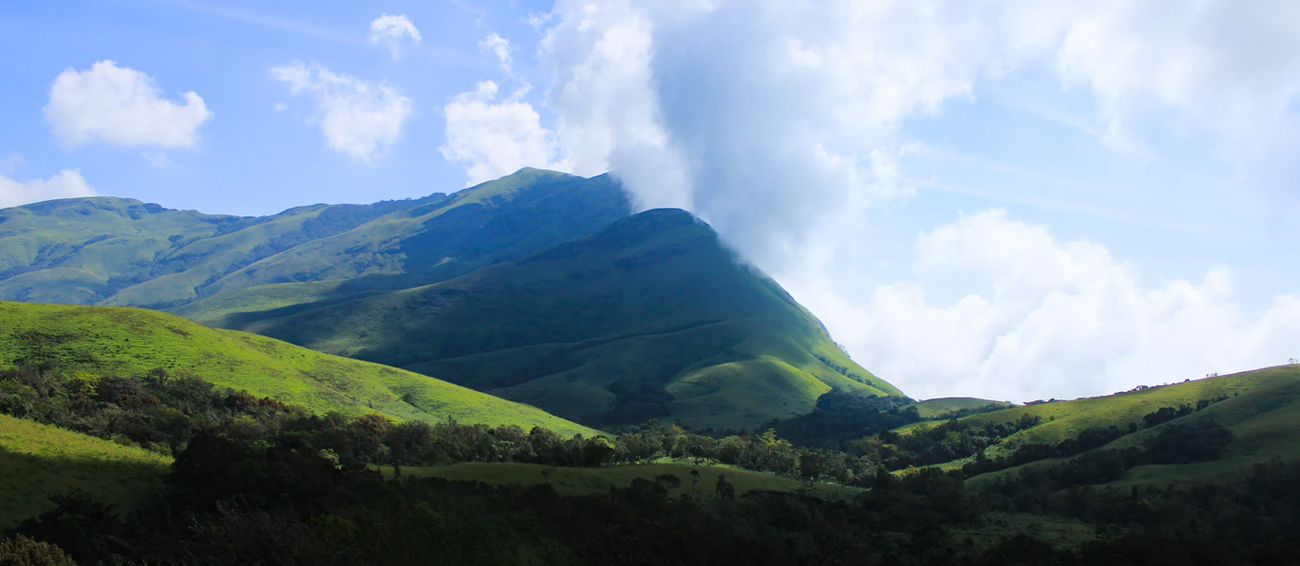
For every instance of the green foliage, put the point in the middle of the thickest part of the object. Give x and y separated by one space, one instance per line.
133 342
22 551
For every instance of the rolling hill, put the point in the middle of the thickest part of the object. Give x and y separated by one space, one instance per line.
130 342
1259 407
649 318
111 251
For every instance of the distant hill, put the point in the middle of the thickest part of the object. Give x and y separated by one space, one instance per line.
948 406
130 342
1261 408
649 318
112 251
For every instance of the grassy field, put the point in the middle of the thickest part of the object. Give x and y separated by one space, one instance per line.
651 305
585 481
1260 409
37 461
130 342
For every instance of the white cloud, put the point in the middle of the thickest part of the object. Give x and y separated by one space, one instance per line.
358 118
121 106
500 47
394 32
491 138
1058 319
67 183
763 116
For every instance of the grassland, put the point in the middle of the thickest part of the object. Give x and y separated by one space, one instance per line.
129 342
586 481
37 461
1260 408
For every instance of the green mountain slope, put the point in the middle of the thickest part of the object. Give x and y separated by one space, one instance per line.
105 250
651 317
111 251
127 341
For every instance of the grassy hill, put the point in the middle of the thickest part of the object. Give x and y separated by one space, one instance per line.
129 342
37 461
649 318
1260 408
104 250
112 251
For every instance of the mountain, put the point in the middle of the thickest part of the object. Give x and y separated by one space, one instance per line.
128 342
649 318
112 251
539 287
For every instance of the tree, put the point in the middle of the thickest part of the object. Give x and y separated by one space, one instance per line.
725 490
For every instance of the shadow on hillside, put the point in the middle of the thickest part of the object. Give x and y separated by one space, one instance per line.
27 482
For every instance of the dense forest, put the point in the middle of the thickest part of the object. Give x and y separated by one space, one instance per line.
256 481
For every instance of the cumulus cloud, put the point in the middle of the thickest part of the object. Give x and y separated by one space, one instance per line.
1058 319
358 118
501 47
67 183
121 106
492 138
394 32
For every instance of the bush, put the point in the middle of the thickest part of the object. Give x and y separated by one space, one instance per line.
22 551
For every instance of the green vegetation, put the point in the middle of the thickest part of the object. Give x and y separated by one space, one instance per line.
108 341
112 251
649 318
1258 407
38 461
689 480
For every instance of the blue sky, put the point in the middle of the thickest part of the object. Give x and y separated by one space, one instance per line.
986 199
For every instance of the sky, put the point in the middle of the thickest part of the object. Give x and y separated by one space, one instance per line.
994 198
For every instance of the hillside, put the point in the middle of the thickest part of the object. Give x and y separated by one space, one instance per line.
1259 407
131 342
112 251
649 318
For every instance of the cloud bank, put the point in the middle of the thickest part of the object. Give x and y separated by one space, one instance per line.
768 117
1058 319
358 118
121 106
67 183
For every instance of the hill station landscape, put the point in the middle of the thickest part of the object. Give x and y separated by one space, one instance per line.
530 371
